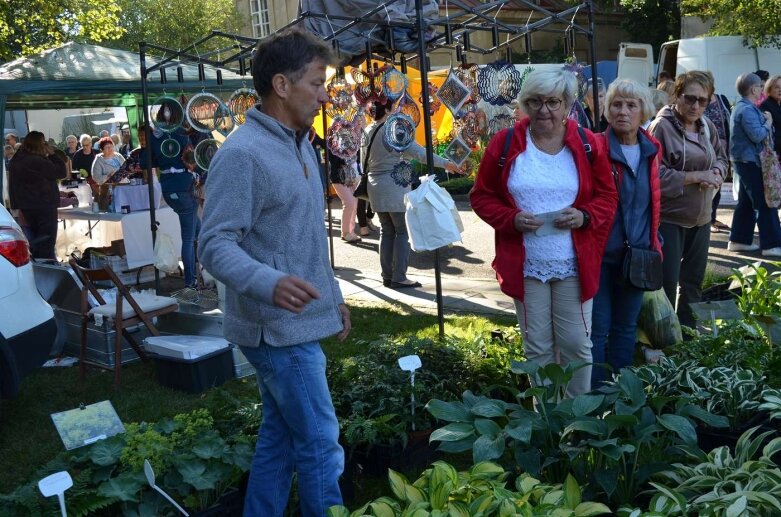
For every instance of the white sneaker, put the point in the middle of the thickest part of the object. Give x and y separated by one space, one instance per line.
736 246
772 252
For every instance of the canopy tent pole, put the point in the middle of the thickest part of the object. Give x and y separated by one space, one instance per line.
148 151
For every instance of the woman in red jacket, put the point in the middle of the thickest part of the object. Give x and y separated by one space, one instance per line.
634 159
550 197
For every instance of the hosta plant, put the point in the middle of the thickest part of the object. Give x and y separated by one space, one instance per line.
479 492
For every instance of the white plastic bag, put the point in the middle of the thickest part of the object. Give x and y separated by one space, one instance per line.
432 217
166 257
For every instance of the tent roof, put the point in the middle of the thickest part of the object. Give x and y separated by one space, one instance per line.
76 74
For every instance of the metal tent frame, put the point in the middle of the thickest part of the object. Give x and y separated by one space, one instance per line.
453 33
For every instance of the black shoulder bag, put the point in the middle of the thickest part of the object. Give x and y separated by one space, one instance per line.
642 268
362 190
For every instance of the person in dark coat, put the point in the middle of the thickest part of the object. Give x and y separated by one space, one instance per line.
32 184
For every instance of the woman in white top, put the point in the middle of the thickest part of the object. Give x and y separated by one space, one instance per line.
547 190
107 162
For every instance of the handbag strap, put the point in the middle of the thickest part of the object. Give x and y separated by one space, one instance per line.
369 147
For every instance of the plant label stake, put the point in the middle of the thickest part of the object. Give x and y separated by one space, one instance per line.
410 363
150 478
56 484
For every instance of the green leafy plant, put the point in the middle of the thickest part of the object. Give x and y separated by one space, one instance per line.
722 483
760 291
480 491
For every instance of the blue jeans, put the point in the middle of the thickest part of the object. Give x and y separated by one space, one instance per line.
299 432
613 323
185 204
752 210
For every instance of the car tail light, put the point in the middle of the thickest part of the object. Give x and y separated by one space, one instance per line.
13 246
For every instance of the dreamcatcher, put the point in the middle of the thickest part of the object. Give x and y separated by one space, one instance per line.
458 151
167 115
399 132
394 84
240 102
369 84
204 152
433 102
467 74
499 83
206 113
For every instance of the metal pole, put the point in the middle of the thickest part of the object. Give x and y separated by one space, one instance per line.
421 28
327 184
593 45
150 175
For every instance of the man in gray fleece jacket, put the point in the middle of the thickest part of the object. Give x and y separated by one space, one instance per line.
263 237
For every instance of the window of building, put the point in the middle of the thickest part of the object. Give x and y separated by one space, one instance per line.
261 26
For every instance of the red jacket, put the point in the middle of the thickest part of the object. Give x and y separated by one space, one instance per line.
493 203
653 174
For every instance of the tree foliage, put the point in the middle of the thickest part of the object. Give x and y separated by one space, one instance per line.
652 21
759 21
175 23
29 26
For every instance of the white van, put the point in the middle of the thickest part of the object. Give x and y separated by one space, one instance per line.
726 57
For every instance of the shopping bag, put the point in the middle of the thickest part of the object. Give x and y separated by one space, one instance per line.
166 257
432 217
658 320
771 174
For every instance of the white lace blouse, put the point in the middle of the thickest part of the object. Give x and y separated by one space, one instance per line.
539 183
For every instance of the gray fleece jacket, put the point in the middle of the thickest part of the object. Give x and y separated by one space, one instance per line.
263 220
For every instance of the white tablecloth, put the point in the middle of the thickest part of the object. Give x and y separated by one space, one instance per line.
134 228
135 196
83 193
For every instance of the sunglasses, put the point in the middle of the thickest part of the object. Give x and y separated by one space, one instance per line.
691 100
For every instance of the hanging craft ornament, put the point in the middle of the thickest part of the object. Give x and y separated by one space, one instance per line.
433 102
170 148
369 84
206 113
467 74
399 132
409 107
468 128
453 93
499 122
394 84
166 114
204 152
343 139
402 173
340 97
240 102
458 151
499 83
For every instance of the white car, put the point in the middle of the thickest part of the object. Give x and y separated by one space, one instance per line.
27 325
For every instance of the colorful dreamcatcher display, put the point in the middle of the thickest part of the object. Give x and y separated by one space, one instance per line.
340 97
453 93
204 152
403 173
468 128
499 83
343 138
369 84
433 102
399 132
240 102
409 107
166 114
206 113
394 84
458 151
499 122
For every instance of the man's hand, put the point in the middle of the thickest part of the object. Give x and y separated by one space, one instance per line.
292 293
346 323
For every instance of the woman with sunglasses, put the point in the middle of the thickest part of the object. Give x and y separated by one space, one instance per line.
546 188
693 167
750 127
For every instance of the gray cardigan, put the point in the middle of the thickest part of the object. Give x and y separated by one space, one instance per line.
385 194
263 220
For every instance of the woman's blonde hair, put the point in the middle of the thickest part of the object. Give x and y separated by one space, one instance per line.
550 83
630 89
770 82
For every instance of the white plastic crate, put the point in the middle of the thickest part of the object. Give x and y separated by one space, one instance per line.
118 264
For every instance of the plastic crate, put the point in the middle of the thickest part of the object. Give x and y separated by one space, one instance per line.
195 375
118 264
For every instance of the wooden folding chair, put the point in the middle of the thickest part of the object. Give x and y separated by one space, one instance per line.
131 312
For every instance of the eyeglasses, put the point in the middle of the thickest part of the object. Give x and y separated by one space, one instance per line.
691 100
536 104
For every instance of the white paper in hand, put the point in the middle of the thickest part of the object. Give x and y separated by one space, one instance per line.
547 227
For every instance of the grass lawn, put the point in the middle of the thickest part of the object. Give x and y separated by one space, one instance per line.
28 438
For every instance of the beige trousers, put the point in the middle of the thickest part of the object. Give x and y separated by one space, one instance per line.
556 327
